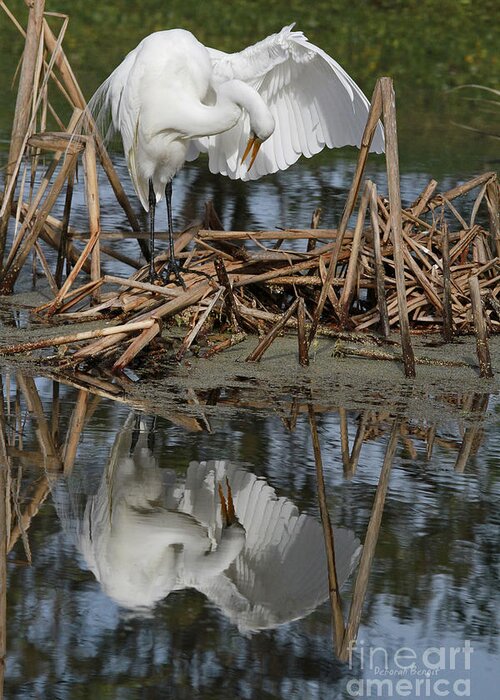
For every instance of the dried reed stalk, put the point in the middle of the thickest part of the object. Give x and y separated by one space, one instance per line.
392 159
483 351
22 112
268 339
372 533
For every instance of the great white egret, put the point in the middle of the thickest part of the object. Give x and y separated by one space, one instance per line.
147 531
253 112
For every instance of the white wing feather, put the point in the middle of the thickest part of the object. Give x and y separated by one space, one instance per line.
116 100
314 102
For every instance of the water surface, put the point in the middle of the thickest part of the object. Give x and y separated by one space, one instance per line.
111 606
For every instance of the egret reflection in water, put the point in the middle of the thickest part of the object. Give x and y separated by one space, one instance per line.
146 533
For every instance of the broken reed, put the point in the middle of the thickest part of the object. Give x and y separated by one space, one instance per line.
403 271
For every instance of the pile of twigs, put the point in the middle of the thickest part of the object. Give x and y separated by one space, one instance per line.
422 268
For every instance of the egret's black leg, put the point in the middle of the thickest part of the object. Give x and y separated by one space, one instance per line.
172 266
152 207
168 198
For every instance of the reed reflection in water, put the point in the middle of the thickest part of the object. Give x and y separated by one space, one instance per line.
134 509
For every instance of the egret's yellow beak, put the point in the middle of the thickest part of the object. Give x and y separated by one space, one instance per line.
253 145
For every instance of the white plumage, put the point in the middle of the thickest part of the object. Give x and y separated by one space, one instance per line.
145 534
172 98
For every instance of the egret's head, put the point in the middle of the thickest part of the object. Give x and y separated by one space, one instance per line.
260 133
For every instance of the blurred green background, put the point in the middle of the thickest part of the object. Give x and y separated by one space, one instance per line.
426 46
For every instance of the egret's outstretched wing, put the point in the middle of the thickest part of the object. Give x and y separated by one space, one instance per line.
314 102
280 573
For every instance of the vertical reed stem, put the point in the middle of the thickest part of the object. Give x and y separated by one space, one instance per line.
352 268
372 532
447 301
92 191
483 350
392 160
333 587
301 334
22 113
371 125
379 265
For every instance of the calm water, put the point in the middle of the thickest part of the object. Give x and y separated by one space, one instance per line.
135 589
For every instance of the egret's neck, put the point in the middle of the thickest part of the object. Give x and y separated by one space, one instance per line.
246 97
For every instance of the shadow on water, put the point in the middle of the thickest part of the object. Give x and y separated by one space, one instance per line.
188 550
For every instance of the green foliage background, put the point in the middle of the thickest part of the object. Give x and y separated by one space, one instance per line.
424 45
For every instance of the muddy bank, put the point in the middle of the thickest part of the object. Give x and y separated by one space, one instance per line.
227 382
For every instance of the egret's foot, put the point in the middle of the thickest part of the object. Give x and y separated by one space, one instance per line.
155 278
164 277
227 506
172 269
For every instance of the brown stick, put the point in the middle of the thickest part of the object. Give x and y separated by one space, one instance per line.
421 202
146 286
372 533
77 96
348 290
171 307
51 236
345 351
371 125
483 350
72 298
358 443
136 346
389 110
301 334
229 301
39 93
74 431
64 67
10 276
228 343
22 113
458 191
284 234
56 304
447 299
315 219
120 195
34 403
268 339
493 203
333 586
93 207
472 432
379 266
344 439
75 337
31 210
188 340
64 246
431 438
